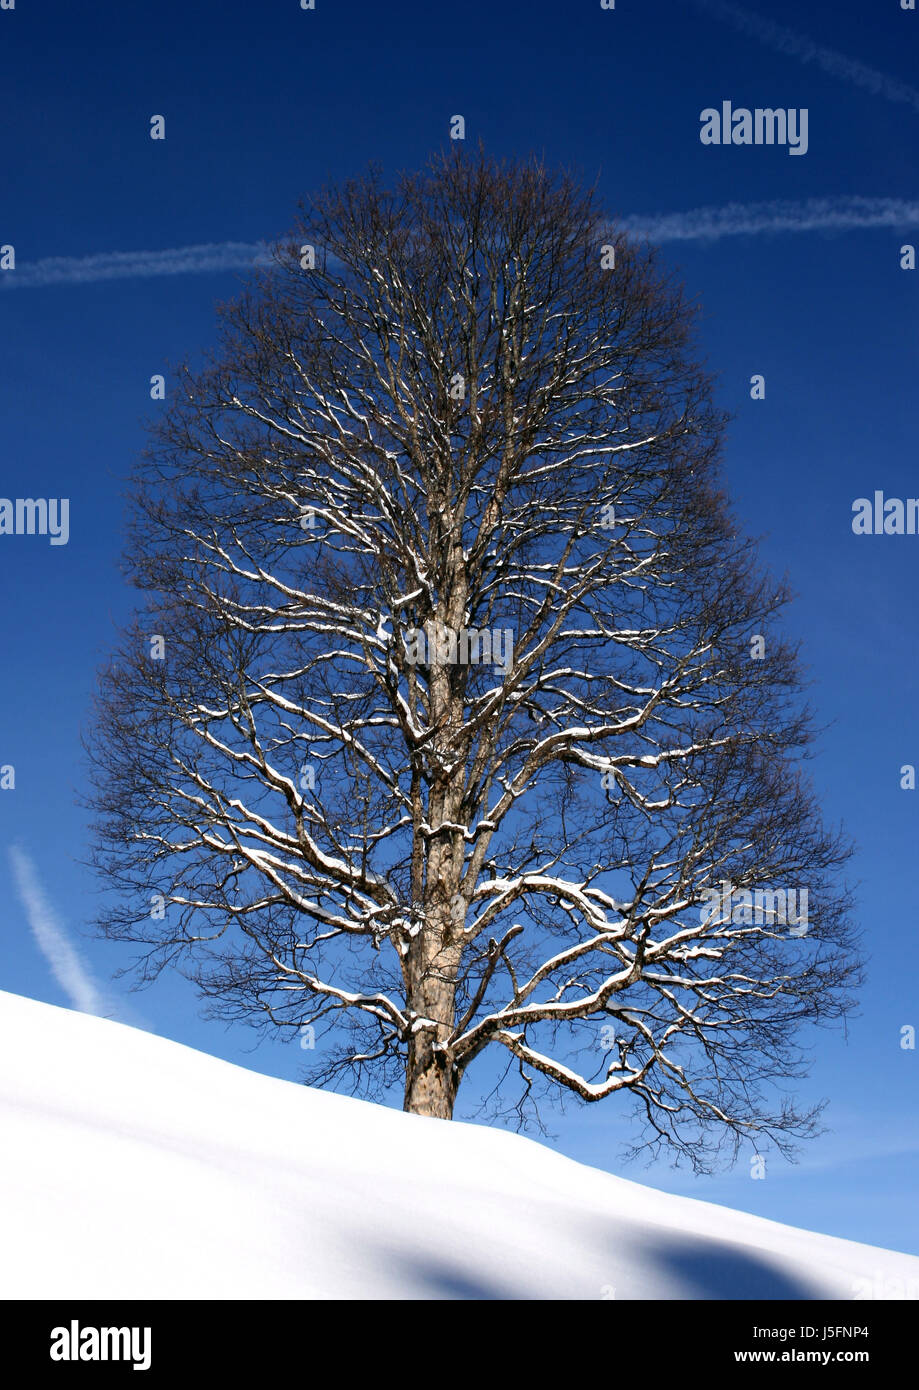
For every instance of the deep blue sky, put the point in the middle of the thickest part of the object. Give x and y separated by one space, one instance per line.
264 101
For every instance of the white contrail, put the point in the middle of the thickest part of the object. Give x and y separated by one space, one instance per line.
124 265
755 219
67 967
805 50
698 224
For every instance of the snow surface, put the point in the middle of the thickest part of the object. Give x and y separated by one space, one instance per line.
134 1167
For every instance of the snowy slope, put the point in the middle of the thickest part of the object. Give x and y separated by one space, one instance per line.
131 1166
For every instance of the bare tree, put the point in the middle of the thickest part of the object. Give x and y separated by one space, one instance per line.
456 693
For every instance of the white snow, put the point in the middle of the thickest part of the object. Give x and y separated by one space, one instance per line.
134 1167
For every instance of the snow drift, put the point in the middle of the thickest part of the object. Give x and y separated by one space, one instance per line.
134 1167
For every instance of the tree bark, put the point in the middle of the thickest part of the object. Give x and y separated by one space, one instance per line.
431 1075
430 1087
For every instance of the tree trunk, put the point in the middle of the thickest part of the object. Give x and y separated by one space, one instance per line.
432 966
430 1087
431 1078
